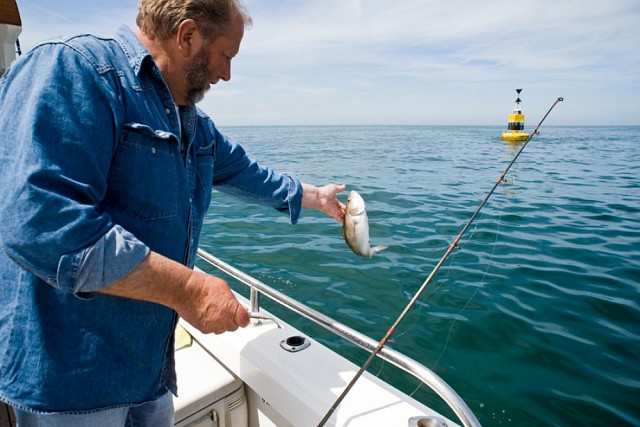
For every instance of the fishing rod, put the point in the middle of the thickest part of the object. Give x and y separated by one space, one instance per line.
454 245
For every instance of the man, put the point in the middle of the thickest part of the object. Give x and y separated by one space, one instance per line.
106 170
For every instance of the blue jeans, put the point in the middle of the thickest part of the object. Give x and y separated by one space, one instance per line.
157 413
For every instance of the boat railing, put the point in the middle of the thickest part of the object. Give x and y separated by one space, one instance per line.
403 362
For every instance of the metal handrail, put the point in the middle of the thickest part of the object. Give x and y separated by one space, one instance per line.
410 366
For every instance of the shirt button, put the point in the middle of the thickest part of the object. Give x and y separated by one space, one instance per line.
168 111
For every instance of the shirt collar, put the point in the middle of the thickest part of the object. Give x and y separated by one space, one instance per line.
135 51
138 56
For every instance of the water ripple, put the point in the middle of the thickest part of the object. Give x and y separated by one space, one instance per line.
534 320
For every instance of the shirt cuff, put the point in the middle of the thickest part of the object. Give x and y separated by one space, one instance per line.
294 199
110 259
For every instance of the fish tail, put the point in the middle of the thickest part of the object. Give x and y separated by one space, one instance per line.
377 249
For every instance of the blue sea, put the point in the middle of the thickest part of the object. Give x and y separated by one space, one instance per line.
534 320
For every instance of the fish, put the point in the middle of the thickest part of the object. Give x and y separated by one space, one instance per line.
355 228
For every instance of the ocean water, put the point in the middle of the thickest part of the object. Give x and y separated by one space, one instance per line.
534 320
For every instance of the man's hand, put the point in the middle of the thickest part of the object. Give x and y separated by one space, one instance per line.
212 306
324 199
203 300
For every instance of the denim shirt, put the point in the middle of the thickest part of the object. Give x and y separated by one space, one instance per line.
96 170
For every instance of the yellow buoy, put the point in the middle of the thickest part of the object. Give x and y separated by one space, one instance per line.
515 126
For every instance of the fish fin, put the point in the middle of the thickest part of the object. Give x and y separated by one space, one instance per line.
377 249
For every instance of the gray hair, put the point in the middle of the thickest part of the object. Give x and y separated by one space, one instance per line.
161 18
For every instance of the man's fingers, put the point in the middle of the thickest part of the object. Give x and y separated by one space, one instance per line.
241 316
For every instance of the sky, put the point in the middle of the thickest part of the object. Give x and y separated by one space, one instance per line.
422 62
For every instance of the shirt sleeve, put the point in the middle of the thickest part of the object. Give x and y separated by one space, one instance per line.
237 174
59 116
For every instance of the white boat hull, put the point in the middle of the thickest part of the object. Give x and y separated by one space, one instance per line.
285 388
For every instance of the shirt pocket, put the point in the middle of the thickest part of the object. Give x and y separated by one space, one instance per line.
204 162
144 175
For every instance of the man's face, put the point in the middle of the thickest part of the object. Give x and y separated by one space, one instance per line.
212 63
197 75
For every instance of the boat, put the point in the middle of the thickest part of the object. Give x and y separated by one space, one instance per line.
515 124
290 379
272 373
10 29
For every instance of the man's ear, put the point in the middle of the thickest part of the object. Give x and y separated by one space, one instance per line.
188 38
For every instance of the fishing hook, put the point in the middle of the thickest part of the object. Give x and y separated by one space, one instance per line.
400 318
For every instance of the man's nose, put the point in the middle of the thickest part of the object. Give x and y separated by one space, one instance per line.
226 74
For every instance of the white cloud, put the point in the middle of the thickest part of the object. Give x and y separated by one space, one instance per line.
44 19
421 61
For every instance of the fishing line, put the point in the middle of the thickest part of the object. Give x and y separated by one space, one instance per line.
475 292
454 245
443 283
482 282
439 285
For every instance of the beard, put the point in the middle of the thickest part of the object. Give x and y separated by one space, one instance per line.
197 76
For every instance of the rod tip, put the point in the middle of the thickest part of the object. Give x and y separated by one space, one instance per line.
561 99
